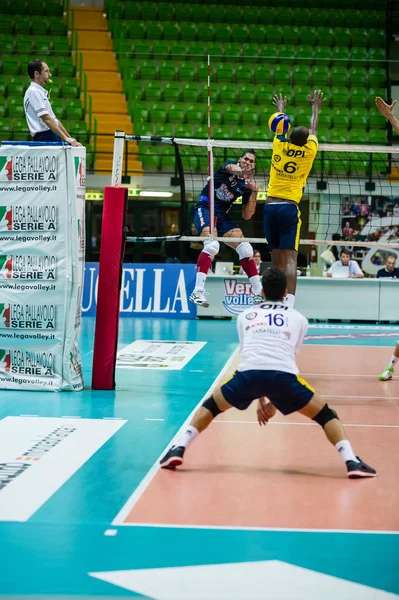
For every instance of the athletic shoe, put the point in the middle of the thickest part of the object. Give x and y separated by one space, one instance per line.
200 297
386 374
173 458
358 469
258 300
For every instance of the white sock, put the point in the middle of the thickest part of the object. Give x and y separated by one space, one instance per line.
394 360
187 437
290 300
256 285
345 451
200 281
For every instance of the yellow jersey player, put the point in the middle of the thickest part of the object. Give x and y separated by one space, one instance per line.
292 161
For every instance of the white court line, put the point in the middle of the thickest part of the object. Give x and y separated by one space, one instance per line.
154 419
307 424
231 528
341 375
145 482
361 397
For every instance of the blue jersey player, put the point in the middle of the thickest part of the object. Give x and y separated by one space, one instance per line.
232 180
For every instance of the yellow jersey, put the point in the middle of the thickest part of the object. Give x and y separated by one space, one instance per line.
290 168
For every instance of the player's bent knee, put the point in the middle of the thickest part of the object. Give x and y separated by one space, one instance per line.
211 405
325 415
245 250
211 247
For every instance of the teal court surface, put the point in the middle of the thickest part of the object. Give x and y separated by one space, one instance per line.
256 513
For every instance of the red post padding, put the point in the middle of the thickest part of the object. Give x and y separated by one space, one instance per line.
109 284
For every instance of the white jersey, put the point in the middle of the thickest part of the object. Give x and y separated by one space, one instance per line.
270 336
37 104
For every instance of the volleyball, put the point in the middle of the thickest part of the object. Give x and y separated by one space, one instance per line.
279 123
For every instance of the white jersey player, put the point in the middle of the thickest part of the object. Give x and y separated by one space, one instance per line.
270 336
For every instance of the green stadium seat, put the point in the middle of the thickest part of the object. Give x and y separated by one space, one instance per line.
158 112
165 130
79 130
338 75
222 32
247 93
250 51
149 10
7 43
304 54
200 131
216 14
54 7
335 18
22 24
359 118
377 77
35 8
339 96
170 30
186 71
11 64
166 12
286 53
139 111
373 93
190 92
65 69
176 112
205 32
178 49
358 97
358 56
340 166
264 114
318 18
239 33
274 35
309 36
19 130
268 54
357 136
199 12
216 114
283 15
301 94
377 137
6 24
130 11
15 89
340 55
56 27
359 37
58 107
281 74
322 55
148 69
257 33
143 48
23 44
322 136
342 36
301 16
243 73
319 76
377 38
167 70
195 113
249 114
352 17
160 49
171 91
3 108
264 93
341 117
301 75
186 131
325 116
61 46
123 47
357 76
373 18
153 90
224 72
231 114
377 57
222 132
70 91
248 16
232 50
228 92
258 134
203 97
285 91
376 120
325 36
152 29
74 112
43 45
291 35
182 12
150 161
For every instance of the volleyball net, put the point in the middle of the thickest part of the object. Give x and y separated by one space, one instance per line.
351 199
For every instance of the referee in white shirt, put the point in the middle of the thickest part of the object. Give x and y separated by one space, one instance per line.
42 122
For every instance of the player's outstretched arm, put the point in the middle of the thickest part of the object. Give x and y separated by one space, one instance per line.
279 102
387 111
316 100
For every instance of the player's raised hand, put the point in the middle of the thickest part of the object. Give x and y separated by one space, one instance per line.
316 99
385 109
279 102
265 411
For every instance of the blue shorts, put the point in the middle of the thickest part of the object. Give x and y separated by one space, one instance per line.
46 136
282 225
223 223
286 391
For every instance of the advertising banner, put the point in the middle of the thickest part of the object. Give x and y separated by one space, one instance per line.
40 218
156 290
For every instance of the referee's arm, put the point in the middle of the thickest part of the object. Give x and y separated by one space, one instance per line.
59 129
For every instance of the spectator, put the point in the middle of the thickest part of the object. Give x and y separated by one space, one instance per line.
348 231
390 271
345 261
396 210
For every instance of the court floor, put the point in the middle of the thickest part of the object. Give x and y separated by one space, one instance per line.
255 513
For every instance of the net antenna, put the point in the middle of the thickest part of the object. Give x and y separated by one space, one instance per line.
211 184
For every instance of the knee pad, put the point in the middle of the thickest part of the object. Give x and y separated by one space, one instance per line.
245 250
211 405
211 247
326 414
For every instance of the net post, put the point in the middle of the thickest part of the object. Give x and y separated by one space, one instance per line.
119 141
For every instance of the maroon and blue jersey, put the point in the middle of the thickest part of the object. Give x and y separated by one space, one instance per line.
227 188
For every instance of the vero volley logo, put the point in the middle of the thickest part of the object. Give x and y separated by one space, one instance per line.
238 296
5 168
